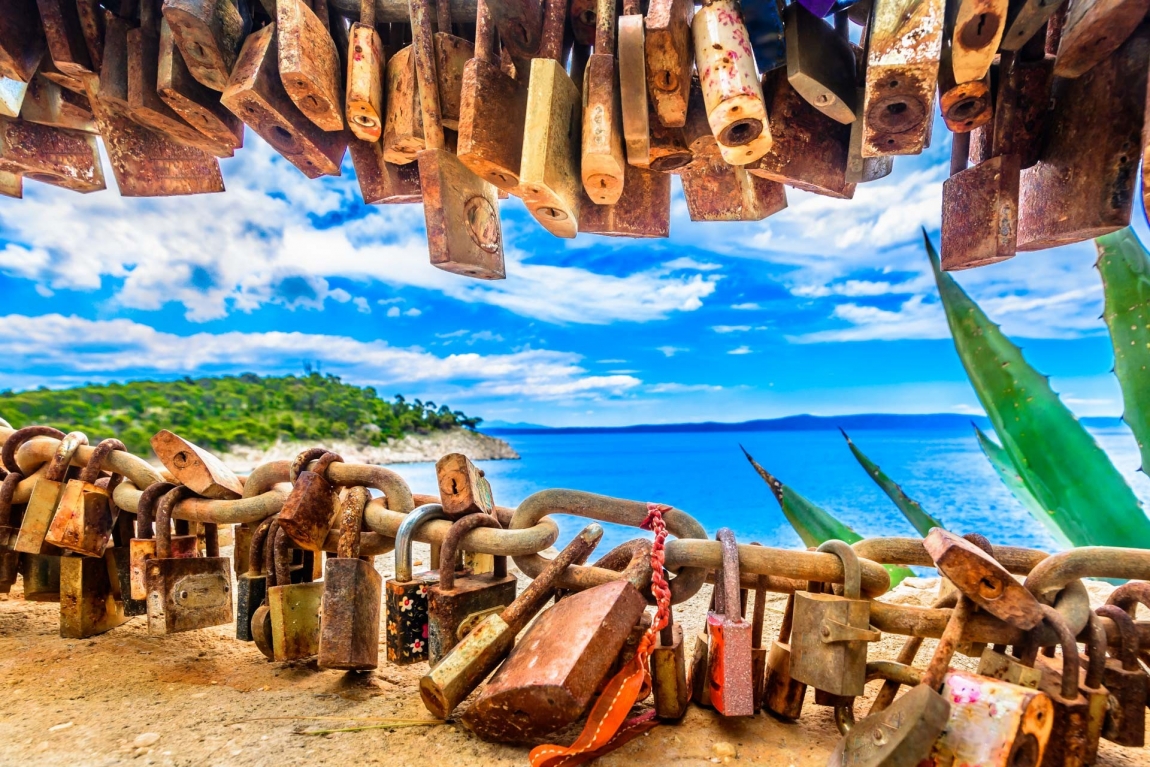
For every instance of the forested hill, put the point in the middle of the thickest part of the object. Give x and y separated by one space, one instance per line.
217 413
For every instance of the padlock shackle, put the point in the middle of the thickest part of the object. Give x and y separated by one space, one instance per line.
948 643
1096 652
1127 635
406 534
852 569
269 556
1129 595
19 437
281 553
321 456
727 583
256 564
605 21
351 522
449 549
1069 644
62 459
96 460
164 519
1058 570
554 26
145 507
211 539
7 492
486 33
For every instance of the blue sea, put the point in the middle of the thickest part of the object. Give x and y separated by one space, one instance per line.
706 475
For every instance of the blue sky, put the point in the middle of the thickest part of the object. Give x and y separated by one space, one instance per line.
827 307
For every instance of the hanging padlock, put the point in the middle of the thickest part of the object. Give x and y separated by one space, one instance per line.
196 104
406 593
860 169
252 586
782 694
644 210
549 679
1091 687
898 736
381 181
670 54
1025 20
716 191
365 64
603 163
87 603
21 40
46 103
293 608
92 16
143 546
1069 741
1022 103
974 30
668 149
209 34
903 50
309 510
731 88
965 106
1126 682
995 663
186 593
85 516
830 633
45 497
191 465
451 56
633 85
459 601
1092 31
309 64
349 617
820 66
305 601
669 683
255 93
1071 195
118 558
477 655
463 489
113 88
403 119
67 159
64 32
979 209
729 638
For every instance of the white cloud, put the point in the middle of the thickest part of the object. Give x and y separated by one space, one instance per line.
730 328
679 388
740 350
362 305
914 319
686 262
671 351
393 311
746 307
413 312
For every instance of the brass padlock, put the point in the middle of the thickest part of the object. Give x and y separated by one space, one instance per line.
403 119
209 34
1126 682
88 605
1069 741
191 465
381 181
463 489
670 54
196 104
46 103
995 663
974 30
716 191
965 106
255 93
633 86
830 634
46 496
186 593
21 40
729 639
603 162
783 695
669 683
63 158
309 510
41 576
365 64
477 655
459 601
979 209
143 546
293 608
64 32
349 618
407 622
644 210
309 64
820 66
252 586
86 516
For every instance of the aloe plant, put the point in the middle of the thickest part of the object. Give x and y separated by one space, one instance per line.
1057 460
910 508
1013 480
814 524
1125 270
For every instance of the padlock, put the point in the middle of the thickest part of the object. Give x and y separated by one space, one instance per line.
644 209
1091 687
979 209
861 170
365 64
1026 20
9 570
459 601
403 119
603 162
260 626
731 88
293 608
729 639
21 40
309 64
186 593
49 72
114 69
898 736
86 515
41 576
995 663
820 66
9 559
252 586
407 622
549 679
974 30
46 103
670 54
1069 741
633 101
477 655
45 497
118 558
381 181
669 681
67 159
1072 195
309 510
196 104
903 51
463 489
783 695
1126 682
64 32
583 16
809 150
1092 31
209 34
203 473
965 106
143 546
829 636
349 619
1022 103
255 93
87 604
716 191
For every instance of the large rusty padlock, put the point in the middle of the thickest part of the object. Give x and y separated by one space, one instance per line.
729 639
193 466
309 511
41 507
293 608
21 40
1126 681
460 601
88 603
86 516
1070 737
463 489
406 593
46 103
380 181
669 683
186 593
349 620
644 209
143 546
717 191
830 633
365 64
209 34
198 105
67 43
783 695
979 209
309 63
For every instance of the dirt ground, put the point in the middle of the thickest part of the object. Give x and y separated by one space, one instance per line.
204 698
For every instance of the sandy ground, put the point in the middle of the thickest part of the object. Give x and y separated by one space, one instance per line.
203 698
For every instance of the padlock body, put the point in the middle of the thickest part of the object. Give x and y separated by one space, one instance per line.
820 66
492 112
209 34
782 695
309 64
65 35
643 210
900 735
670 54
1000 666
603 163
9 569
250 593
403 122
41 574
349 625
46 103
84 519
980 214
295 620
1126 721
38 515
729 665
87 604
669 677
118 560
452 614
309 510
993 723
1074 739
67 159
717 191
381 181
188 593
835 667
461 212
142 549
549 174
407 621
223 132
550 677
365 83
451 56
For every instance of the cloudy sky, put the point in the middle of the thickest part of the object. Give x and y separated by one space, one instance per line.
827 307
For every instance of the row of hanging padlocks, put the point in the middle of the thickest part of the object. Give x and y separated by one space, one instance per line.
582 108
72 545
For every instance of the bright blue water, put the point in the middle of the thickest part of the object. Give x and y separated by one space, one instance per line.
706 475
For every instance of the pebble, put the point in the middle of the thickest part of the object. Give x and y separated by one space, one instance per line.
58 727
723 750
145 739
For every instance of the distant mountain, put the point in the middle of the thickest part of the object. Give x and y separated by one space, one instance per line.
857 422
497 424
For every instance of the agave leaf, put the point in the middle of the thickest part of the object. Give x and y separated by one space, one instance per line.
1056 458
1013 480
1125 270
910 508
813 523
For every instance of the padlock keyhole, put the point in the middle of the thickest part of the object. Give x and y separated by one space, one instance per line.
454 487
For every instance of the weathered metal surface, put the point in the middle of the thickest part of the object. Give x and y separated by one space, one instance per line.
462 487
455 609
1069 743
451 56
898 736
998 665
63 158
84 517
603 162
644 209
977 575
1093 30
65 35
309 64
41 576
194 103
142 549
403 122
464 234
820 66
1022 106
45 496
782 694
732 690
1025 20
191 465
209 35
716 191
294 615
633 89
310 509
1126 682
965 106
669 682
549 174
46 103
974 32
87 604
349 614
520 23
670 55
189 593
364 95
381 181
980 214
22 43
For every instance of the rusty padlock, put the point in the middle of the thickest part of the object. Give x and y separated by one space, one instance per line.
46 103
965 106
1093 31
732 689
252 586
88 605
64 31
670 54
669 683
1091 687
365 65
64 158
716 191
603 162
406 593
1126 681
143 546
209 35
783 695
293 617
979 209
830 633
381 181
477 655
41 507
308 512
520 26
700 691
196 104
463 489
118 558
349 621
202 472
995 663
974 31
820 66
898 736
458 602
309 63
1069 741
186 593
22 42
403 118
113 81
633 86
644 209
1022 104
85 516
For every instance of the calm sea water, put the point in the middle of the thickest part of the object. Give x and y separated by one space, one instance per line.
706 475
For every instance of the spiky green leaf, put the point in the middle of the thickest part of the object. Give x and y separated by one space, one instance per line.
910 508
1013 480
814 524
1057 459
